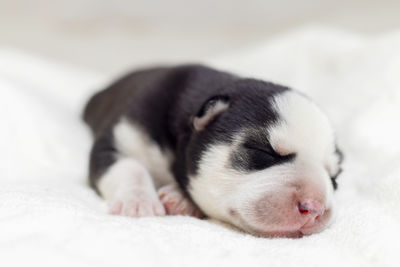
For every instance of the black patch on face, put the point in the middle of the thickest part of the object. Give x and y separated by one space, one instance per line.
256 154
250 107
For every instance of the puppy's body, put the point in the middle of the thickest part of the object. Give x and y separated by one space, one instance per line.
239 148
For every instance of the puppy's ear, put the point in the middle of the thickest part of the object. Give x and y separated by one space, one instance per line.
210 110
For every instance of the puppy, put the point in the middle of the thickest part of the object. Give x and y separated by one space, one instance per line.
191 140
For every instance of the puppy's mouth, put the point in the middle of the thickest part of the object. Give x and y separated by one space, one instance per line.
296 232
270 234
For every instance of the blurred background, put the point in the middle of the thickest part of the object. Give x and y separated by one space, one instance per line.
110 36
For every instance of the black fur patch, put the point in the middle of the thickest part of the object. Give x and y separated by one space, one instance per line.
257 154
102 156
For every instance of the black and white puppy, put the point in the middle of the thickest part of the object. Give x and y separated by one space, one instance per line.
192 140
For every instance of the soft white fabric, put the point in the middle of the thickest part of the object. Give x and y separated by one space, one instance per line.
50 217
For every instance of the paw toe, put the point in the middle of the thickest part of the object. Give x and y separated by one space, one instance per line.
130 209
138 208
145 210
158 209
175 202
116 208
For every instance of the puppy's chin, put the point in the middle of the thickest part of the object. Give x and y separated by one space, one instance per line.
272 234
290 229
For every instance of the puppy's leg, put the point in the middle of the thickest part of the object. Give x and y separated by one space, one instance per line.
176 203
128 188
123 182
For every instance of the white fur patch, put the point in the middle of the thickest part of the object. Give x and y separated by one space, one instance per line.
124 176
131 141
129 190
214 183
306 131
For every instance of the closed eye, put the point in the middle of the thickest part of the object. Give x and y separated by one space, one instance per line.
334 177
268 149
340 156
260 158
265 147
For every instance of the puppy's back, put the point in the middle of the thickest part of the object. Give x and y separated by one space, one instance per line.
106 106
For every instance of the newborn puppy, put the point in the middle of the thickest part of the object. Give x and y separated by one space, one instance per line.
191 140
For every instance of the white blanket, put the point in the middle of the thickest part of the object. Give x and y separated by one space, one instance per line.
50 217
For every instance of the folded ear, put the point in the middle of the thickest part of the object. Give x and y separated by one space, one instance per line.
209 111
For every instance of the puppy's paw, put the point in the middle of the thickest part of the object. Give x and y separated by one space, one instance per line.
137 204
176 203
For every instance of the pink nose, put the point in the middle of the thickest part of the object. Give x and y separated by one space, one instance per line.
311 208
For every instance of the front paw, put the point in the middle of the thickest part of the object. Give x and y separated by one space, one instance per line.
176 203
137 204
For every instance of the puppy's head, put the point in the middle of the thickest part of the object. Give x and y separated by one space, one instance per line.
263 158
